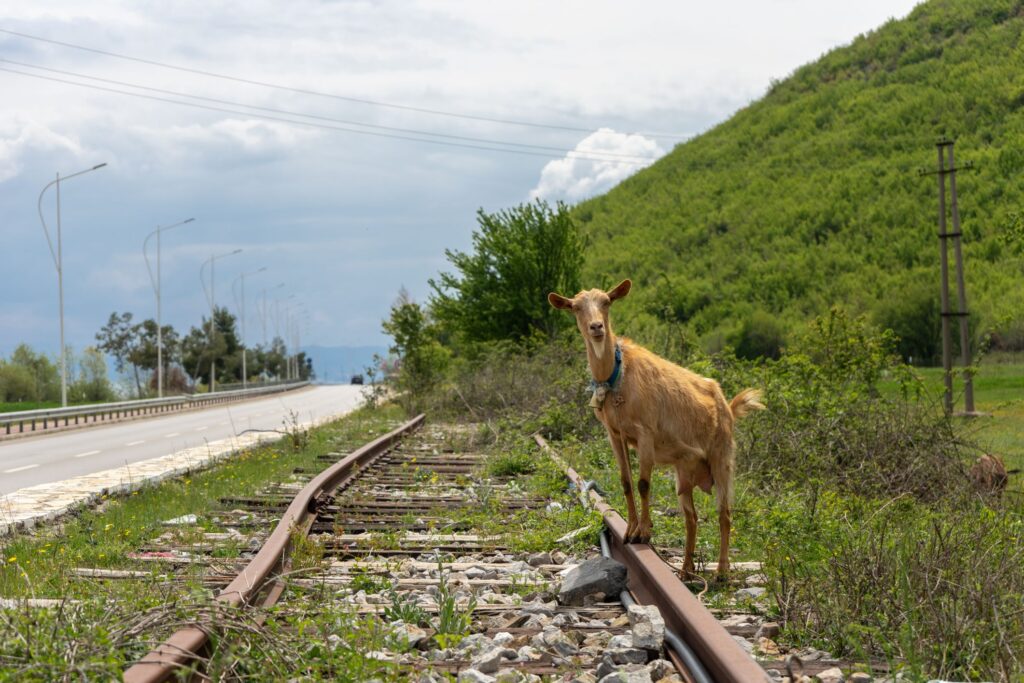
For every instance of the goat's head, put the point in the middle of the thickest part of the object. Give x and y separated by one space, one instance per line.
591 311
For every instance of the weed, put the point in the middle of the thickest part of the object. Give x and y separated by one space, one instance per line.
306 552
363 580
453 622
511 463
405 610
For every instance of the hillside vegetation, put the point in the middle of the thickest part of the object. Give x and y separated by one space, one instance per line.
811 196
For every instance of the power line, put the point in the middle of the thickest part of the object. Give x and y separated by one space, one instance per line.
315 93
600 154
570 153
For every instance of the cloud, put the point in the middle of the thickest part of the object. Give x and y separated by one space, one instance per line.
573 178
21 139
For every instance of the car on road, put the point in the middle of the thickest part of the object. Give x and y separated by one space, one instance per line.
357 379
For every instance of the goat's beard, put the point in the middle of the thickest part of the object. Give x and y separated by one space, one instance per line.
598 346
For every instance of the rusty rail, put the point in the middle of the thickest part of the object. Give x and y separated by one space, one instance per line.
652 581
185 646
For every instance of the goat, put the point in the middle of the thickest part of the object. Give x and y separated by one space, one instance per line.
989 475
671 416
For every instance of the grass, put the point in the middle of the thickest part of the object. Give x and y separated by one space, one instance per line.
998 393
27 405
35 565
102 625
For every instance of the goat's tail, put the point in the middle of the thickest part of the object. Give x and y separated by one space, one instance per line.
745 402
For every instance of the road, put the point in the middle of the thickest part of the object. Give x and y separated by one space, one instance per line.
61 455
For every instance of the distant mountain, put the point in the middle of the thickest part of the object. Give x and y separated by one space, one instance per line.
811 196
337 364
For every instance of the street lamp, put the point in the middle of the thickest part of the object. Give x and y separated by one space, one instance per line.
264 312
245 374
58 262
277 328
212 297
156 288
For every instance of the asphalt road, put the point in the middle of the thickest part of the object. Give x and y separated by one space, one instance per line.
61 455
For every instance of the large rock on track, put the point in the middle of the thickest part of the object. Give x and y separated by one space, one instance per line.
599 575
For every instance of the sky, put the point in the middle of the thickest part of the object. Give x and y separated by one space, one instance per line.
343 146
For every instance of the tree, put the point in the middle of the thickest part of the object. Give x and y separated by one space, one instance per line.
120 339
200 349
500 289
17 384
146 354
422 358
92 384
45 374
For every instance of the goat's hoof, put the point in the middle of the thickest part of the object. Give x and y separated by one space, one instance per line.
638 538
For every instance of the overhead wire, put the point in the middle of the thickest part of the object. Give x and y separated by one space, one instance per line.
587 156
560 150
316 93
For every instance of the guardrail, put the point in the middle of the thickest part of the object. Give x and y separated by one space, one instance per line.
27 421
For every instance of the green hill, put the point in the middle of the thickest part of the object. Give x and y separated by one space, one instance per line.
811 196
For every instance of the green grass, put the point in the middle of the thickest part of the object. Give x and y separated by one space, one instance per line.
27 405
36 565
998 393
105 624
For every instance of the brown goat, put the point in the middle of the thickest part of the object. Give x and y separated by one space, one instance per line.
672 418
989 475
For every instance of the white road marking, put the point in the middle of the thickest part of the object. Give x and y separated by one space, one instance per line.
20 469
82 455
135 443
223 424
172 434
200 429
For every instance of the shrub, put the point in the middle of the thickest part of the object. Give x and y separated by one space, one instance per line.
935 588
17 384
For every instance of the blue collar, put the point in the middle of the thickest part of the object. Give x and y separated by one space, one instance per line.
616 371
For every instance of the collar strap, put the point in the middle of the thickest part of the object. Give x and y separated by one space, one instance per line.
616 371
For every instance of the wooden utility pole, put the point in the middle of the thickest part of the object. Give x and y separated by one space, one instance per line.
947 167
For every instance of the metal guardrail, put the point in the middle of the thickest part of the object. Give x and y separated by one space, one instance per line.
27 421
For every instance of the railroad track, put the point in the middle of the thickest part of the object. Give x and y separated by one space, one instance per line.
386 526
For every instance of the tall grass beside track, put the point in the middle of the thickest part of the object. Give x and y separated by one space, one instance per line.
851 490
101 625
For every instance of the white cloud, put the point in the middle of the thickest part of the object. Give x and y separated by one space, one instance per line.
574 178
20 139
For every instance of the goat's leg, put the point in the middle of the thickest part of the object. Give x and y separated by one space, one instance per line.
645 456
723 472
621 450
684 490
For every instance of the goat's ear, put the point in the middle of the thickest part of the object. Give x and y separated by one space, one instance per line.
620 290
559 301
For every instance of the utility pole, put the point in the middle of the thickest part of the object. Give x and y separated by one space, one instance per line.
947 167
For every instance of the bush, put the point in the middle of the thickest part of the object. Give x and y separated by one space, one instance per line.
761 336
934 588
17 384
541 387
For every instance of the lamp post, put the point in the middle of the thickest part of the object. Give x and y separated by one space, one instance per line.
245 374
212 296
277 329
264 312
156 288
58 262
